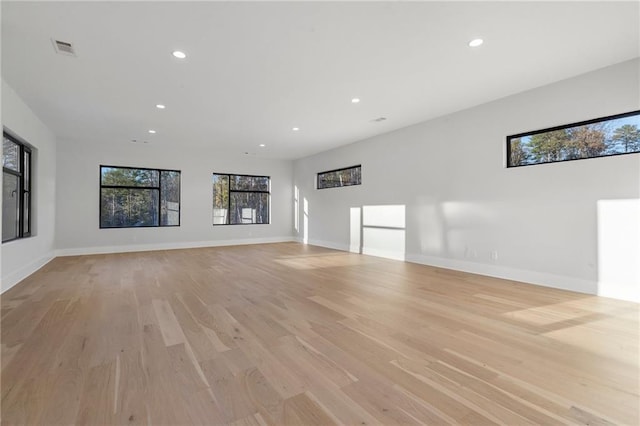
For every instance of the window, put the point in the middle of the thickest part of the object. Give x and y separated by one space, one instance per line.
134 197
240 199
341 177
601 137
16 189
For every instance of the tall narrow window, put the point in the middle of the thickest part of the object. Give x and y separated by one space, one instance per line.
16 189
296 207
136 197
240 199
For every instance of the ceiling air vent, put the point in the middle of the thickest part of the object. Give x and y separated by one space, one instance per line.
379 119
63 47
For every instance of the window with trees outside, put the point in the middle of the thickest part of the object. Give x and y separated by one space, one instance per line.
240 199
137 197
347 176
16 189
601 137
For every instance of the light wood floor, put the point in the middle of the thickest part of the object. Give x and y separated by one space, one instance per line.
294 334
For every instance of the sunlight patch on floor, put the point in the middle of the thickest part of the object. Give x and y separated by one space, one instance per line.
321 261
584 336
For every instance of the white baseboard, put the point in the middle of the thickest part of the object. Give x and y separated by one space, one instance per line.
531 277
167 246
387 254
15 277
326 244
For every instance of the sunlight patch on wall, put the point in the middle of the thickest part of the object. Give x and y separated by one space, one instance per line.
305 224
355 245
296 208
467 230
619 249
383 231
429 217
467 214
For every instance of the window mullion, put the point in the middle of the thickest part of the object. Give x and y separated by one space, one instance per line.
15 156
21 192
159 197
228 199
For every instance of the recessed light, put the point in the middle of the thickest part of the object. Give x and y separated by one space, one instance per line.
160 106
152 131
178 54
295 129
262 145
355 100
476 42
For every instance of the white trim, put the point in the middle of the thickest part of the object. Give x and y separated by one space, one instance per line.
325 244
562 282
168 246
15 277
520 275
387 254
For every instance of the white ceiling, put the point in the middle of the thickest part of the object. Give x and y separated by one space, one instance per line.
256 69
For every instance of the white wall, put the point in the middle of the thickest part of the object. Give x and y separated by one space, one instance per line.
78 198
462 204
22 257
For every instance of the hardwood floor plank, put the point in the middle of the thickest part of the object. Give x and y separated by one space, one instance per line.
303 410
232 399
205 345
166 405
169 327
204 316
376 401
37 355
315 362
263 327
261 395
98 403
25 404
341 408
130 387
291 334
